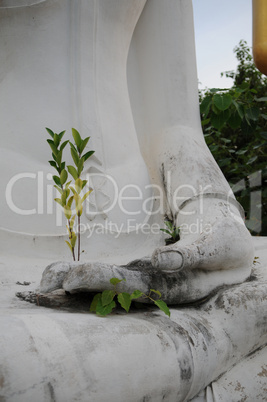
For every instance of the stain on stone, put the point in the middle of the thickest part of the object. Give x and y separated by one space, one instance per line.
241 389
191 340
163 341
252 278
166 395
146 398
185 370
32 345
2 381
220 302
203 328
263 372
51 392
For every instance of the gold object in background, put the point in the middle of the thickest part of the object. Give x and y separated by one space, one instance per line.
260 34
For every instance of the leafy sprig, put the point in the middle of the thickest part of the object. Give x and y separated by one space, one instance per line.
70 193
103 303
172 231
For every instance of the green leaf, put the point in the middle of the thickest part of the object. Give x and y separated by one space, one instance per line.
214 90
64 197
169 225
77 138
263 99
234 120
72 146
222 102
104 310
166 231
58 200
115 281
95 300
107 297
72 221
75 156
136 294
59 157
59 189
73 190
84 183
163 306
73 172
86 195
78 185
50 132
239 90
80 167
67 212
241 151
87 155
63 177
214 148
53 163
247 126
177 231
56 140
226 140
251 160
62 146
68 245
253 113
125 300
205 105
61 135
218 120
239 108
156 291
73 239
258 146
53 147
205 122
263 134
57 180
70 200
224 162
78 202
83 144
245 85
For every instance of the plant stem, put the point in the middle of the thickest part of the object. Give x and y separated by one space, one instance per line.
79 238
73 254
70 236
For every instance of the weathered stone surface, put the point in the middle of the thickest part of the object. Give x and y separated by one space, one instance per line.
176 287
65 354
58 299
246 381
55 355
53 276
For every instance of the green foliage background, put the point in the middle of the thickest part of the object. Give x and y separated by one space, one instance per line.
235 128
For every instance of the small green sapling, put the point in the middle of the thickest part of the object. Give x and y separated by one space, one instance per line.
69 192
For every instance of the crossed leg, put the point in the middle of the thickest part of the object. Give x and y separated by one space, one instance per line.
165 110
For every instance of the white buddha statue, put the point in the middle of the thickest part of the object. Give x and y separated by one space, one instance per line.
124 73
